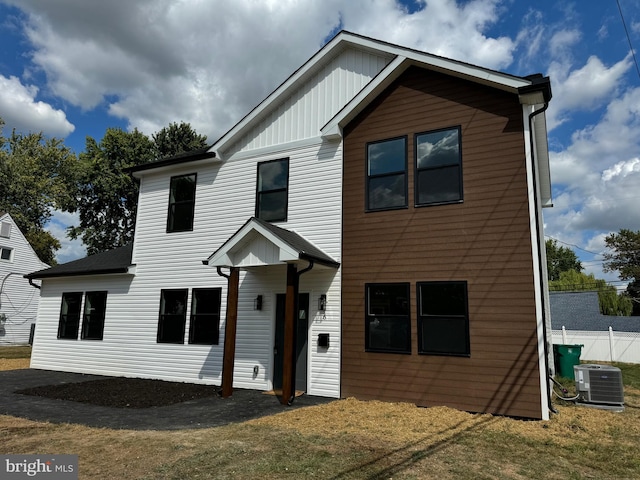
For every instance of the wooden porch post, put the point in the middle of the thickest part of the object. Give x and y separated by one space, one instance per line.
229 355
288 359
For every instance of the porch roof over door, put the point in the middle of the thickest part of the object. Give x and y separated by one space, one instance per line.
259 243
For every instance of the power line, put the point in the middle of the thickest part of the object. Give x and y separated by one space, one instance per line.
626 31
572 245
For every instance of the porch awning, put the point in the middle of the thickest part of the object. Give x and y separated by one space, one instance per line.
258 243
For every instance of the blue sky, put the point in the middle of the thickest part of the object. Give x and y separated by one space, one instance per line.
72 68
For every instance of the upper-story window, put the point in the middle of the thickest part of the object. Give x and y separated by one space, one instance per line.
272 190
438 167
6 253
5 229
182 201
387 174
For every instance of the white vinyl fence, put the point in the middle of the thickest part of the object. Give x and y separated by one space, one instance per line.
602 346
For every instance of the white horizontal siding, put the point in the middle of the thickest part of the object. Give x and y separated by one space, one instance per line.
315 102
18 299
225 200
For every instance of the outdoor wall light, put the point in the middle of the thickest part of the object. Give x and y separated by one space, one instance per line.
257 303
322 303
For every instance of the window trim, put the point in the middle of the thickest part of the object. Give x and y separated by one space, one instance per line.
161 315
275 190
194 317
417 171
102 316
63 323
368 177
405 318
421 319
10 250
170 210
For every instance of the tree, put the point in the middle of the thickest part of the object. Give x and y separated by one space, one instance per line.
560 259
107 196
611 302
176 139
36 176
624 256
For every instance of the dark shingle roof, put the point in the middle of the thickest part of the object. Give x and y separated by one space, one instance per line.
581 311
308 251
117 260
184 157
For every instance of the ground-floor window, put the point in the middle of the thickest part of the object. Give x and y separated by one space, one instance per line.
387 322
173 315
443 318
70 315
95 305
205 316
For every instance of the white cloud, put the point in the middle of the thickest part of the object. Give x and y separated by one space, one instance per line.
583 89
598 176
153 62
20 110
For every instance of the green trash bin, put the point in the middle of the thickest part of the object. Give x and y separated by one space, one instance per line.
566 356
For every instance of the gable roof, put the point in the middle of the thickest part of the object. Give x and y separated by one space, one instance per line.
290 245
113 261
533 89
581 311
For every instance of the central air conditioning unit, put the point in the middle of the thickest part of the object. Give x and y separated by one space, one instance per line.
599 386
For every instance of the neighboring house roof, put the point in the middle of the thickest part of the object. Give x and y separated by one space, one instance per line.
581 311
117 260
290 245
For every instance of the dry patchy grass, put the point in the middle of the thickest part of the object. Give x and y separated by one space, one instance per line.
351 439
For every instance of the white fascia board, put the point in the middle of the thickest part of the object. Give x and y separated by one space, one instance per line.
447 65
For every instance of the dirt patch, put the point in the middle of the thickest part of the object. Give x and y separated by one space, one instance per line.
125 392
14 363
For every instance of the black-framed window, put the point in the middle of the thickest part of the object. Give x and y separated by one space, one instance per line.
6 253
387 174
173 315
95 306
205 316
70 315
438 167
443 318
387 322
272 190
182 201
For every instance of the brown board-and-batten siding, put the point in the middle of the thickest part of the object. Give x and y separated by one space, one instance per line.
485 240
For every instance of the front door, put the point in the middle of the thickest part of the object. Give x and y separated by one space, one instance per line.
302 325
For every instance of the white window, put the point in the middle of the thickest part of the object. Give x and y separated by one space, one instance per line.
5 229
